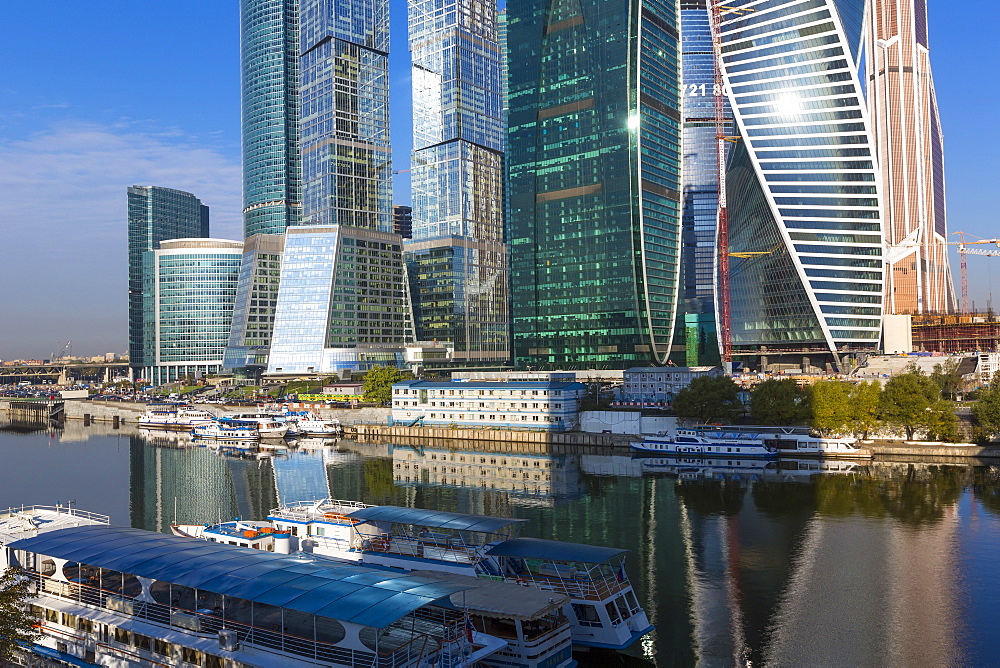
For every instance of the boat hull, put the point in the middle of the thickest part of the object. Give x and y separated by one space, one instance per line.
670 449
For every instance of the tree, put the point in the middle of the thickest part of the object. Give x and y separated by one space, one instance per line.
948 379
866 399
779 402
708 399
832 412
986 410
379 381
16 623
908 401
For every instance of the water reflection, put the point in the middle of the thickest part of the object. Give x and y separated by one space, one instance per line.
840 563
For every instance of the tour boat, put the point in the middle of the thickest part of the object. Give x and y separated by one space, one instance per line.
173 416
806 445
709 442
603 610
119 596
267 424
228 430
310 424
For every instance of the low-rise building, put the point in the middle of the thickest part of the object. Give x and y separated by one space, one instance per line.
658 385
545 406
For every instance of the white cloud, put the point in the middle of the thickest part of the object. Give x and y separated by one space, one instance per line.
63 227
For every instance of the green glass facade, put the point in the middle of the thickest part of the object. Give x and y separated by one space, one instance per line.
154 215
594 178
272 172
188 295
256 299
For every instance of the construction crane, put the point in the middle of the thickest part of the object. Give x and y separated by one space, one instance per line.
65 349
725 317
963 251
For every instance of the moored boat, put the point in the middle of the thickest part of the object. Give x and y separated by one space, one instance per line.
708 442
178 416
268 425
228 431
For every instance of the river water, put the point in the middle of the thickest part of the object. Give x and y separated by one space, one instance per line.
870 564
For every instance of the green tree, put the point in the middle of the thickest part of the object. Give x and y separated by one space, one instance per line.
779 402
866 400
948 379
379 381
708 399
908 401
832 412
16 623
986 410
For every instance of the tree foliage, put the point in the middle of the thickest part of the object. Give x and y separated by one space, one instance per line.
866 399
910 402
948 379
379 381
832 412
708 399
779 402
16 624
986 410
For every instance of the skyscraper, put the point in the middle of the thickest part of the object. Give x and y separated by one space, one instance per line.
803 183
342 302
256 300
188 295
910 149
155 214
272 188
457 259
594 181
699 184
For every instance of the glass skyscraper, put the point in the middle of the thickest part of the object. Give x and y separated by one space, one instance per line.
910 149
188 296
154 214
699 184
272 188
803 183
593 160
342 301
457 260
256 300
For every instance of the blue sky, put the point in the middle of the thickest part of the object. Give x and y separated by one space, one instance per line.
95 97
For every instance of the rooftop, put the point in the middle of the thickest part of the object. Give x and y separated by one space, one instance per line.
554 550
490 385
357 594
433 519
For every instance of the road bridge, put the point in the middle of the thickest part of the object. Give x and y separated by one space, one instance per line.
64 373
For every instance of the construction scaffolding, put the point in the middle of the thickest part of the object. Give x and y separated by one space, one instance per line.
956 333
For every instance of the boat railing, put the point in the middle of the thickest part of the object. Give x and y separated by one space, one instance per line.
67 510
317 511
208 623
580 587
444 548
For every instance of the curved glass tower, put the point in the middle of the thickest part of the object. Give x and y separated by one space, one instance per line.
593 181
272 189
803 184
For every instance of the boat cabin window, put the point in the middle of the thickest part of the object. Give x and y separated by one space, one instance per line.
613 612
633 604
586 615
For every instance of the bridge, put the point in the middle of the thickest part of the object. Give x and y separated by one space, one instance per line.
64 373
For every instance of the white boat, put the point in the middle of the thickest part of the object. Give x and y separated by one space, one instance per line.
806 445
603 611
227 431
310 424
192 604
267 424
173 416
708 442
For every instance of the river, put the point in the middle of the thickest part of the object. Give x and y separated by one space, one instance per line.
872 564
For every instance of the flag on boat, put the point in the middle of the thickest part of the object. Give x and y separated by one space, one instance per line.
620 576
468 627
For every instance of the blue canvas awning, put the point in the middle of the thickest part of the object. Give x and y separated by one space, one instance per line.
433 519
324 588
553 550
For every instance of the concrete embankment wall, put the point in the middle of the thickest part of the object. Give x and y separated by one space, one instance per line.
128 412
900 450
540 438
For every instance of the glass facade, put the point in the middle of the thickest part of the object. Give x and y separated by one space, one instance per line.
154 214
189 292
802 183
593 160
344 113
256 300
458 258
272 178
459 295
342 301
699 184
910 150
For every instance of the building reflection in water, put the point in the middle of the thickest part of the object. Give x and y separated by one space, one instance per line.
734 564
